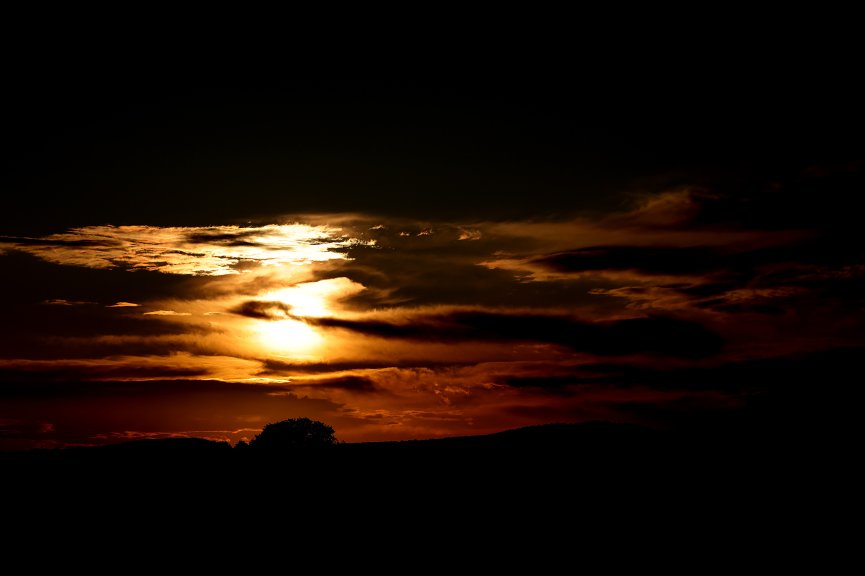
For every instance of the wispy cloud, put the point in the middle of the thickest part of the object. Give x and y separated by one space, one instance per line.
469 234
167 313
655 335
207 251
126 367
64 302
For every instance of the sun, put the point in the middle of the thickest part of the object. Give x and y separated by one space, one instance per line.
315 298
292 336
287 336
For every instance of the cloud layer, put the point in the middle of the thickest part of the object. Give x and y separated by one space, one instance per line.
686 305
206 251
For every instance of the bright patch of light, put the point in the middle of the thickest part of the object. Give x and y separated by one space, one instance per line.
287 336
196 251
314 298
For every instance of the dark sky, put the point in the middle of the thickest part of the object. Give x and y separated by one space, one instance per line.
115 140
424 245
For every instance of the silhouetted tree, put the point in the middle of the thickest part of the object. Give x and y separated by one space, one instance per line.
294 433
242 445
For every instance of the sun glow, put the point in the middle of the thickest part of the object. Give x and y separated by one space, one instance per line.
288 336
314 298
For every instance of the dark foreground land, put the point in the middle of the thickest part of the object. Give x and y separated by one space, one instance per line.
531 494
550 457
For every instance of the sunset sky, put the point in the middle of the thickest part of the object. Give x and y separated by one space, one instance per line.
408 258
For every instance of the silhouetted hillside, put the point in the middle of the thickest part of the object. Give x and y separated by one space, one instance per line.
537 474
550 445
169 446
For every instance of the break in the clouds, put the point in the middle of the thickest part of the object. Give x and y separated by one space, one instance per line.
398 328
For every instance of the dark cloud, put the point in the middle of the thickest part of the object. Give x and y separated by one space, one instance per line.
78 388
650 260
745 280
357 384
722 305
601 375
819 373
53 331
766 196
263 310
732 266
234 238
541 382
697 291
788 196
24 241
657 335
400 277
281 368
64 372
37 280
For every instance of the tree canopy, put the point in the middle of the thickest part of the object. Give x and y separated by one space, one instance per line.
294 433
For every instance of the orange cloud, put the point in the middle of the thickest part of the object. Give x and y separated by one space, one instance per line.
207 251
167 313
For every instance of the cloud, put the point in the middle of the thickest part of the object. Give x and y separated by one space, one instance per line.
656 335
128 367
54 371
469 234
123 305
274 367
690 250
478 327
263 310
543 382
354 384
315 298
205 251
689 260
318 298
166 313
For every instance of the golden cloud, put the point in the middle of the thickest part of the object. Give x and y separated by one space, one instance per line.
198 251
